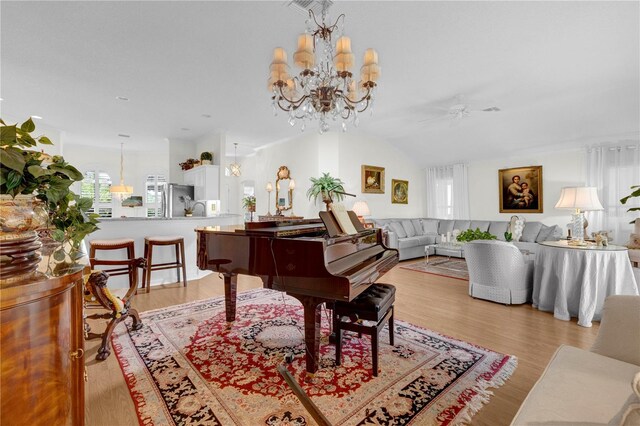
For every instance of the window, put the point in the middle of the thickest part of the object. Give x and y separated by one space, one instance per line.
97 189
613 169
155 186
448 192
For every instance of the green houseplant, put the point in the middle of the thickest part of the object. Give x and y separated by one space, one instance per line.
475 234
206 157
635 192
249 203
32 173
325 188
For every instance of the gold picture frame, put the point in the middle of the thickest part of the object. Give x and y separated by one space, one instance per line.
372 180
520 190
399 191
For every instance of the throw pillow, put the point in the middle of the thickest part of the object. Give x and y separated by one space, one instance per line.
530 232
482 225
398 229
498 229
408 228
417 225
430 226
634 241
544 234
445 226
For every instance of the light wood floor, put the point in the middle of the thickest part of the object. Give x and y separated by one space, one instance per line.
438 303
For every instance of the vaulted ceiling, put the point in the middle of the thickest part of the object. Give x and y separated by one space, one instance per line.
560 73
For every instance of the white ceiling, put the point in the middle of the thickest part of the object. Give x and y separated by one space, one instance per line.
562 73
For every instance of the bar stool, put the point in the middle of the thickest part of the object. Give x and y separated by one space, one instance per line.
118 267
179 263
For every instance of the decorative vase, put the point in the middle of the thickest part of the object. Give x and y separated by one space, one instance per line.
205 162
19 241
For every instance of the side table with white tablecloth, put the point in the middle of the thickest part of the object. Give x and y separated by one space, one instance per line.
575 280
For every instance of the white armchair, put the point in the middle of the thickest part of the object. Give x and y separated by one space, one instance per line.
498 272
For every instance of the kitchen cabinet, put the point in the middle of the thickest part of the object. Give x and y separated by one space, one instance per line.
206 182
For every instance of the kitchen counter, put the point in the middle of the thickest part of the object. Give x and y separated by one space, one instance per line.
140 227
213 218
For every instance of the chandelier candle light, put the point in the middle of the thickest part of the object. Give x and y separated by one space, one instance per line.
121 189
325 89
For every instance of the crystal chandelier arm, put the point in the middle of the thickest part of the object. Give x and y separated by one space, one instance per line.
323 31
294 103
366 97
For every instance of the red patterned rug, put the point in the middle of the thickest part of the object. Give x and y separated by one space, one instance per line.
185 366
444 266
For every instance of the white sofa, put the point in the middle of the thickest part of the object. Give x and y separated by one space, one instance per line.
410 236
581 387
498 272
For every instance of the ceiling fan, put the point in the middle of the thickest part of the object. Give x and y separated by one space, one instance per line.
459 108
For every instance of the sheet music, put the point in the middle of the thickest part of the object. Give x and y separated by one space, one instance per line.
343 219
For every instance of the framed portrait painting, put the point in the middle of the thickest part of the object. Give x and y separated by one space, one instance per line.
399 191
372 180
520 190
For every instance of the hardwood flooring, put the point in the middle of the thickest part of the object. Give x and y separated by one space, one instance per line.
439 303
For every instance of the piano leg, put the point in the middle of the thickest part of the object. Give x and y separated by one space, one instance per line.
230 290
312 327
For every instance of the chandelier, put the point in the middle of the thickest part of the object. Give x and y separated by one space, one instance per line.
325 89
234 168
122 189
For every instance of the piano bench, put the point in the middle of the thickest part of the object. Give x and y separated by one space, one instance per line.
374 304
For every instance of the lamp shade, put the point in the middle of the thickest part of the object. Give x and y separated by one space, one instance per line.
269 187
361 208
121 189
580 197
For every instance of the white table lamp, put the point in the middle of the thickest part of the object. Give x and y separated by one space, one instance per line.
361 208
579 199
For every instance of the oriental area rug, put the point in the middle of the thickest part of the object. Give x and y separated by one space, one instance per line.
443 266
188 366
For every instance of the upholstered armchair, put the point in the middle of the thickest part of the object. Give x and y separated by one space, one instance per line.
498 272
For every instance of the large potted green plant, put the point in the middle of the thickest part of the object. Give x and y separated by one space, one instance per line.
249 203
325 188
27 174
635 192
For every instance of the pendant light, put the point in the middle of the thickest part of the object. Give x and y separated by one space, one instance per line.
234 168
121 189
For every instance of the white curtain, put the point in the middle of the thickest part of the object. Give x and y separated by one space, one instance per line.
613 169
448 192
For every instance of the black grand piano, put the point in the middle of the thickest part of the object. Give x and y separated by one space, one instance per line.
301 259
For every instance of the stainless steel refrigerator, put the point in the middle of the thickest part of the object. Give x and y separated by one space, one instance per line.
173 200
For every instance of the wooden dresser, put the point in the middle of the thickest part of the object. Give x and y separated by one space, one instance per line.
42 351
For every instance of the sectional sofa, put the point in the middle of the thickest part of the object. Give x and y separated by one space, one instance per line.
411 236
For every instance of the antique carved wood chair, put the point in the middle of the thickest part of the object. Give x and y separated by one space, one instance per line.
97 294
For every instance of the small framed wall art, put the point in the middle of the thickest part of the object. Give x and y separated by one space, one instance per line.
520 190
372 180
399 191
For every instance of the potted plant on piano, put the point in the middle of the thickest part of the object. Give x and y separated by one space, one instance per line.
249 203
325 188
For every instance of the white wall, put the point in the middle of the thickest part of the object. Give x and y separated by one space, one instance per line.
342 155
356 150
559 169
